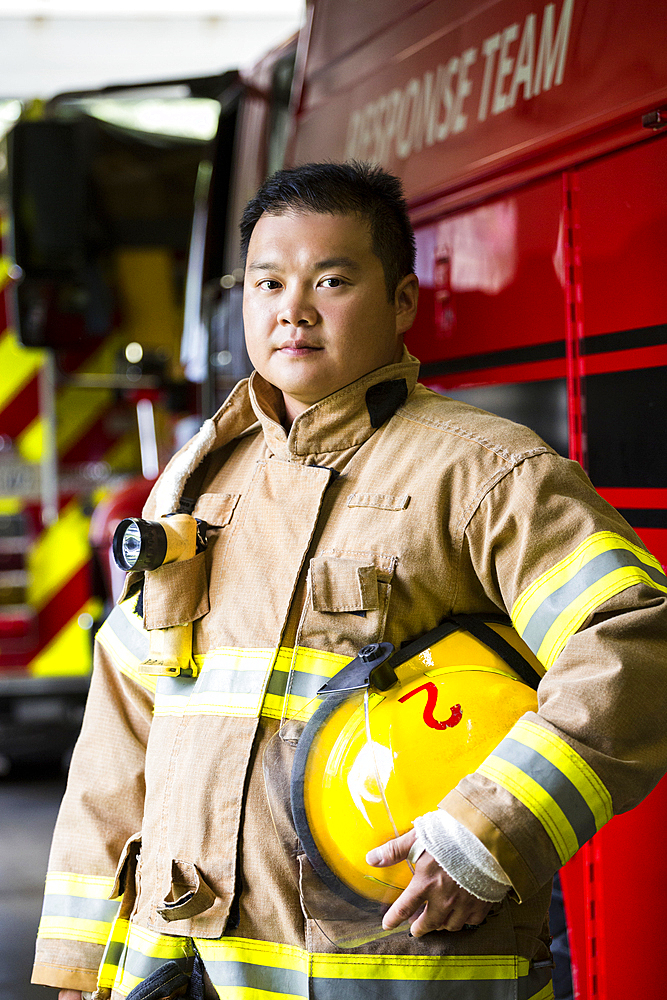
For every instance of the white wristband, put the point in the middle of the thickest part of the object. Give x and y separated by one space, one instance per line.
462 855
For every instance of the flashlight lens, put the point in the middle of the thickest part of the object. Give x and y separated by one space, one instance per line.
139 544
131 544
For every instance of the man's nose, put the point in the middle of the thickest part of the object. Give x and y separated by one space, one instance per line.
297 309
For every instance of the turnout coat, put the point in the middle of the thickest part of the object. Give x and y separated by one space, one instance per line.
385 508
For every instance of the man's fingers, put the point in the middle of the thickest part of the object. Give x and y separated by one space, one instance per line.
392 852
405 907
452 918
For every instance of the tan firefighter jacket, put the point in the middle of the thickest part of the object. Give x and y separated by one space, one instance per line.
385 508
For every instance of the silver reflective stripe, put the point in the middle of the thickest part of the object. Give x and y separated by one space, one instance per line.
555 603
412 989
230 683
213 682
304 685
56 905
268 979
132 636
554 782
140 966
225 975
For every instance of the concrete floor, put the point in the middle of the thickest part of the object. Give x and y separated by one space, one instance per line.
28 806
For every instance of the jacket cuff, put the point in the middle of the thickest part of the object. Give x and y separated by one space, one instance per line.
524 883
462 855
64 978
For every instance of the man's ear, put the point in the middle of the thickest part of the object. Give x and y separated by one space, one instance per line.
405 302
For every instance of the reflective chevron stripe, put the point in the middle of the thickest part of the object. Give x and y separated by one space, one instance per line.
556 605
126 642
554 782
133 953
312 668
262 970
239 682
247 682
77 908
230 682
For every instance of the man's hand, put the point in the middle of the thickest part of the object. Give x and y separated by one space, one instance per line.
69 995
448 906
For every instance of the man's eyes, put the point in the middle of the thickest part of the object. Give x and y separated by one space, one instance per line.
272 284
332 282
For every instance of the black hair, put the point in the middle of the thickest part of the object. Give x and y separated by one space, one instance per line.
361 189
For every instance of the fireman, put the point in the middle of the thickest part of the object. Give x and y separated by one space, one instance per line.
347 506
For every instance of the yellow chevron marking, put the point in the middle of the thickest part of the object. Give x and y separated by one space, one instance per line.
30 444
59 552
70 652
76 411
18 365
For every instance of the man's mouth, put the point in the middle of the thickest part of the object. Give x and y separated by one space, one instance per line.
298 348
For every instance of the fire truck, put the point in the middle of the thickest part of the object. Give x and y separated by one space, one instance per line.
531 141
97 241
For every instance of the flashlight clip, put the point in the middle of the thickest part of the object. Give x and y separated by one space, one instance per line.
370 666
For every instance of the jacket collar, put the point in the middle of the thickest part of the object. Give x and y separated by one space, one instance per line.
345 419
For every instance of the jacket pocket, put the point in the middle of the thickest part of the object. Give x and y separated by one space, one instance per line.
189 894
216 508
349 599
177 593
126 880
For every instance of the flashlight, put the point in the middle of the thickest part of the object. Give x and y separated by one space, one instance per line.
139 544
144 545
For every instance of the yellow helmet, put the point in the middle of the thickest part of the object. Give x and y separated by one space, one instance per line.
394 735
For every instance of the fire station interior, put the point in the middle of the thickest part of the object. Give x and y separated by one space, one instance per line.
125 299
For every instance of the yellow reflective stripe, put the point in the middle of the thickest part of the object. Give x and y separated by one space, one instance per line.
576 614
312 667
558 602
537 800
264 953
74 929
71 884
230 682
351 966
132 953
567 568
124 660
311 661
235 681
420 967
568 761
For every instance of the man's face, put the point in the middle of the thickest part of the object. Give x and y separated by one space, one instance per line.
315 305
